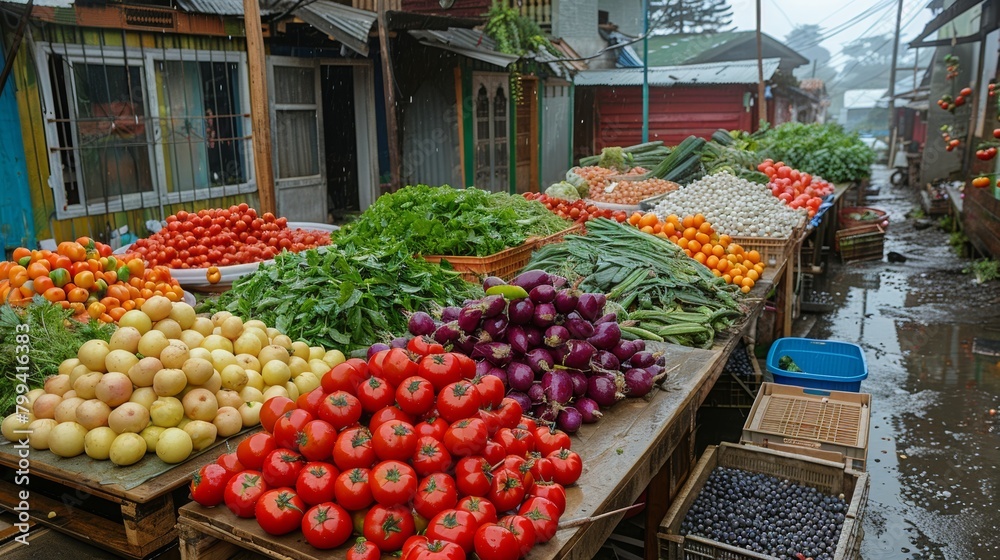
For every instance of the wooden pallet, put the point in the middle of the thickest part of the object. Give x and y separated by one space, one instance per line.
134 522
217 534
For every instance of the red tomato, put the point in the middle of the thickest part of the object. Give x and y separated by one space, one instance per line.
494 452
315 482
310 401
482 509
433 426
353 490
415 395
455 526
326 526
442 369
435 493
521 467
243 491
288 428
375 393
363 550
281 468
473 476
230 462
516 441
467 366
397 366
424 345
375 364
507 490
523 530
551 491
394 440
253 450
466 437
353 449
383 415
316 440
548 440
340 408
491 390
422 548
458 400
543 514
272 409
279 511
361 366
208 485
491 420
388 527
509 412
493 542
568 466
542 468
343 377
393 483
529 424
431 457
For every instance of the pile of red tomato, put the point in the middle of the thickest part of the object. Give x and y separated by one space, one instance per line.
410 450
796 189
578 210
223 237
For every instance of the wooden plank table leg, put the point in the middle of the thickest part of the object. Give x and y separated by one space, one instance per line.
789 292
149 526
657 503
196 545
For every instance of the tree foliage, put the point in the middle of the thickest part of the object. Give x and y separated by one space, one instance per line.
690 16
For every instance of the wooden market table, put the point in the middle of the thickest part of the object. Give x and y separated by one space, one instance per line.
77 496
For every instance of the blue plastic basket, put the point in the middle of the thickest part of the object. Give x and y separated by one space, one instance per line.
825 364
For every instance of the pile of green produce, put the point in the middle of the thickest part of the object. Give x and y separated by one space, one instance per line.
48 334
658 292
820 149
343 298
620 159
447 221
726 153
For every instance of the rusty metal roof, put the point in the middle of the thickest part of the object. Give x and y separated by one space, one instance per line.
348 25
468 42
737 72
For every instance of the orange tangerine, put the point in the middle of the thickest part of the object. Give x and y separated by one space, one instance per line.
748 283
682 243
690 233
718 250
646 229
712 262
688 221
725 240
649 219
716 272
745 289
673 219
727 278
694 245
723 265
754 256
759 268
658 228
700 257
738 280
702 237
669 229
732 258
698 219
634 218
705 227
688 252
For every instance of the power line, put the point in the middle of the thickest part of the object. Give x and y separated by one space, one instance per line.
846 72
836 30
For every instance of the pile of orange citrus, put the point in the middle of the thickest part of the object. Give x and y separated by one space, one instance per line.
699 241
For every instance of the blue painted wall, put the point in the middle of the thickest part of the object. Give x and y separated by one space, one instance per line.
17 227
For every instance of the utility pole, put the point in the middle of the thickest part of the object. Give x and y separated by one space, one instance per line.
761 102
645 72
259 114
892 87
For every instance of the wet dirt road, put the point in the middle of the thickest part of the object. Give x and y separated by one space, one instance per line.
934 452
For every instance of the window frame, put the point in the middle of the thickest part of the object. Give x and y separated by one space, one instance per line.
159 195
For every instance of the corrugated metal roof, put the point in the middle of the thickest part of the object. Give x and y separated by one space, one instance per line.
467 42
45 3
216 7
348 25
738 72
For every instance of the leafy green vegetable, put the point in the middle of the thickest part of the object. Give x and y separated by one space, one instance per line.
788 364
52 336
447 221
343 298
564 190
820 149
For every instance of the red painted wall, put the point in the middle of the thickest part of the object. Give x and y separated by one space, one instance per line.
461 8
674 113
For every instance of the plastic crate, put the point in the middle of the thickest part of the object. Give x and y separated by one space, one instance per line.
734 391
505 264
846 219
861 243
773 250
825 364
829 477
815 419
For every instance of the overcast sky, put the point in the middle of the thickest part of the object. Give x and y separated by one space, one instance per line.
779 16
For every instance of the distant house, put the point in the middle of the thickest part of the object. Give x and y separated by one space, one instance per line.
726 46
859 104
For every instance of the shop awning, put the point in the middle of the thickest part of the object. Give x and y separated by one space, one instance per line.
348 25
948 15
467 42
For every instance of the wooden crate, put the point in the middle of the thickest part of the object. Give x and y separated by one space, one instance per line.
832 421
829 477
130 522
505 264
773 250
216 534
861 243
935 200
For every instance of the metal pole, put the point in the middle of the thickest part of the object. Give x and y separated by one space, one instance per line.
892 85
761 101
645 72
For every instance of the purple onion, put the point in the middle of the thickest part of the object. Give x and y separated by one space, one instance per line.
469 317
559 353
640 345
624 350
638 382
569 420
521 311
496 327
661 361
531 279
557 281
450 313
556 336
642 359
607 318
482 336
545 315
579 380
520 376
558 386
483 368
606 336
566 300
400 342
376 348
542 294
605 361
447 333
590 306
540 360
522 399
588 409
491 281
420 324
578 326
578 355
602 389
536 393
534 337
493 306
517 339
545 412
465 344
497 353
498 373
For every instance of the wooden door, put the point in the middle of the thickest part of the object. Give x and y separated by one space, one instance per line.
527 136
490 98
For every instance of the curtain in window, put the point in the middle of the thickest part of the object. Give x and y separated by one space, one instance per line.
183 128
